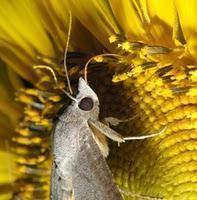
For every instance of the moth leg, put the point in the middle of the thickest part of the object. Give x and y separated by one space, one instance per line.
115 121
101 141
142 137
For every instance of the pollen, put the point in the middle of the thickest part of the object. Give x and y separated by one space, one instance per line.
23 131
99 59
113 38
193 76
125 46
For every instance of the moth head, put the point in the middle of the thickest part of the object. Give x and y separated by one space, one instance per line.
84 106
87 100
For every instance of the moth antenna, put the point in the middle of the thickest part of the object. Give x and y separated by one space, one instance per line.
66 51
55 79
49 69
94 57
142 137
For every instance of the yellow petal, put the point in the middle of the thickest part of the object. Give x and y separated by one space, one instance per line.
132 18
97 17
162 18
22 36
188 20
55 17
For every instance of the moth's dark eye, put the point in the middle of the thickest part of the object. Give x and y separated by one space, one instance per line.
86 104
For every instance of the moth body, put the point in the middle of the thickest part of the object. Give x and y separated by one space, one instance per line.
79 169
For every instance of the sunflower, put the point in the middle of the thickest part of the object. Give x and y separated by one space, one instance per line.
140 58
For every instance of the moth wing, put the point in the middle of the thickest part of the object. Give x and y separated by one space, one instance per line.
91 177
60 189
105 130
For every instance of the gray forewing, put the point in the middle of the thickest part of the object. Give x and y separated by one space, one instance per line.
91 177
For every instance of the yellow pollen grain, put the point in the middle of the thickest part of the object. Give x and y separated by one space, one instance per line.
158 82
148 111
24 131
32 112
29 188
136 71
25 99
137 61
41 158
167 106
36 140
156 126
176 101
160 100
152 118
141 79
185 100
149 86
99 59
119 77
31 161
22 169
31 92
45 122
178 113
192 92
112 39
147 99
162 120
33 118
165 92
125 46
192 115
44 79
179 75
21 150
193 76
28 141
189 110
21 160
55 98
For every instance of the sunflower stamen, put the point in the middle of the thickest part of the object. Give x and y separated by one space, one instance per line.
162 71
178 90
151 50
149 65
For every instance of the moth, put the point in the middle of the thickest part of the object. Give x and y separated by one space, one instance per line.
79 148
79 168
